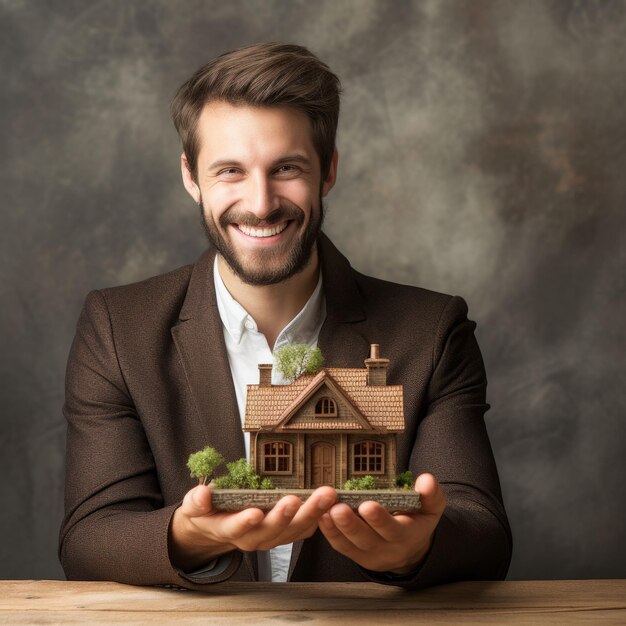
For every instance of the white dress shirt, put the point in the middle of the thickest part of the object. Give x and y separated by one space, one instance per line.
246 348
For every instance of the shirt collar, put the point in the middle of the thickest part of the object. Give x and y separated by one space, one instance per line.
303 328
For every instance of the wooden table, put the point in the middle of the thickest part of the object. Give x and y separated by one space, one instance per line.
515 602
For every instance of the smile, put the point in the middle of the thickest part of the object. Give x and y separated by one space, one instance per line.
263 231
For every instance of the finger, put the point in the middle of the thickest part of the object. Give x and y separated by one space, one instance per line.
337 539
393 528
408 527
281 514
354 528
432 496
197 502
318 503
218 527
230 527
306 519
197 505
270 532
251 530
305 516
370 559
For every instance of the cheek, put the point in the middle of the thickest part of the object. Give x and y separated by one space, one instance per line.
301 194
218 200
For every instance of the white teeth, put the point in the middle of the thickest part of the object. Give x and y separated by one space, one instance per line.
262 232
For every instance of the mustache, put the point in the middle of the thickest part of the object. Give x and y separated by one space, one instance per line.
244 218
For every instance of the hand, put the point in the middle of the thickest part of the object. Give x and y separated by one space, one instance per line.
382 542
199 533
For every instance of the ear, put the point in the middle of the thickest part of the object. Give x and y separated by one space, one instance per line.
190 184
329 182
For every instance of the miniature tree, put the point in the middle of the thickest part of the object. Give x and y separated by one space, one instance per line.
202 464
294 360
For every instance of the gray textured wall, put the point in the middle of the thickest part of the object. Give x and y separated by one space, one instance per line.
482 154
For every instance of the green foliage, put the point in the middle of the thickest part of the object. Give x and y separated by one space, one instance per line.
294 360
241 475
267 483
203 463
405 480
354 484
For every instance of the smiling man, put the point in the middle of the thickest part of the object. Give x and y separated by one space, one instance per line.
260 188
159 369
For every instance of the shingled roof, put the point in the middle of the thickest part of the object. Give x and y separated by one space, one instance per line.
379 405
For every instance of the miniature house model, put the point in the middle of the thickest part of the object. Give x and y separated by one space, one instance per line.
325 428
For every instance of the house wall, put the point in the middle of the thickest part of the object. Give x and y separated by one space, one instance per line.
302 463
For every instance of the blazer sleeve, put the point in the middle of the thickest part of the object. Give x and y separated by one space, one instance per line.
116 525
473 539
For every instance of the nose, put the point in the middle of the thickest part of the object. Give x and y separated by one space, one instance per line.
260 197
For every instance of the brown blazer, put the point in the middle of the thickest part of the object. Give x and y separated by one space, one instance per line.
148 383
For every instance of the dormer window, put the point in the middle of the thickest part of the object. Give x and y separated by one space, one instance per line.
326 407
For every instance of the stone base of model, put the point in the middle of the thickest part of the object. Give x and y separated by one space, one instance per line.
398 501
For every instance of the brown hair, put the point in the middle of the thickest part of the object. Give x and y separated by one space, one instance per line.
267 74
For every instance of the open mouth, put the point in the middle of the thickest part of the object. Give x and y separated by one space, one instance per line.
262 231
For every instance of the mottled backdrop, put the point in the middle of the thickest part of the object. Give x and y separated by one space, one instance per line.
482 154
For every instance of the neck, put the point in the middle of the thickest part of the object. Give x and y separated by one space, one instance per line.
272 306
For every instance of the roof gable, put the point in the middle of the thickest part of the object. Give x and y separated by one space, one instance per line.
321 380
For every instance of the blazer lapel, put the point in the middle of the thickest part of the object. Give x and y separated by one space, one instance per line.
343 339
199 339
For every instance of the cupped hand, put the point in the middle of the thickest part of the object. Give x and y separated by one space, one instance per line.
380 541
198 532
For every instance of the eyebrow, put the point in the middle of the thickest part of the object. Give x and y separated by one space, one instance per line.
298 158
290 158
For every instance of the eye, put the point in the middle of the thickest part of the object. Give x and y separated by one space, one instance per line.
228 171
287 169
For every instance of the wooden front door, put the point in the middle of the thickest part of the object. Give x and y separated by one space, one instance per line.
323 465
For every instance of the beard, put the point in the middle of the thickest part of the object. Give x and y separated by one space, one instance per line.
271 266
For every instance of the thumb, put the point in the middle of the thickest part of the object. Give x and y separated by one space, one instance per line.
197 502
432 496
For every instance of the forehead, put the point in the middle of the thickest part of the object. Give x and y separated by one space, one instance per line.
253 132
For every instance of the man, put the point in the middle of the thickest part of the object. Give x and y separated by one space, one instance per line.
159 369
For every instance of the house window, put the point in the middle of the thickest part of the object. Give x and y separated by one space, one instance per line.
368 457
277 457
326 407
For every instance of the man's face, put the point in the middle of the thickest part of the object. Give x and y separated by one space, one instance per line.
260 188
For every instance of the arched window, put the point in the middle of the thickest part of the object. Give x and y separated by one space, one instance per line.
368 458
277 457
325 407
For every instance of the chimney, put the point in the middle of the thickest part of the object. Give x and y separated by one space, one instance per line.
265 374
376 367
